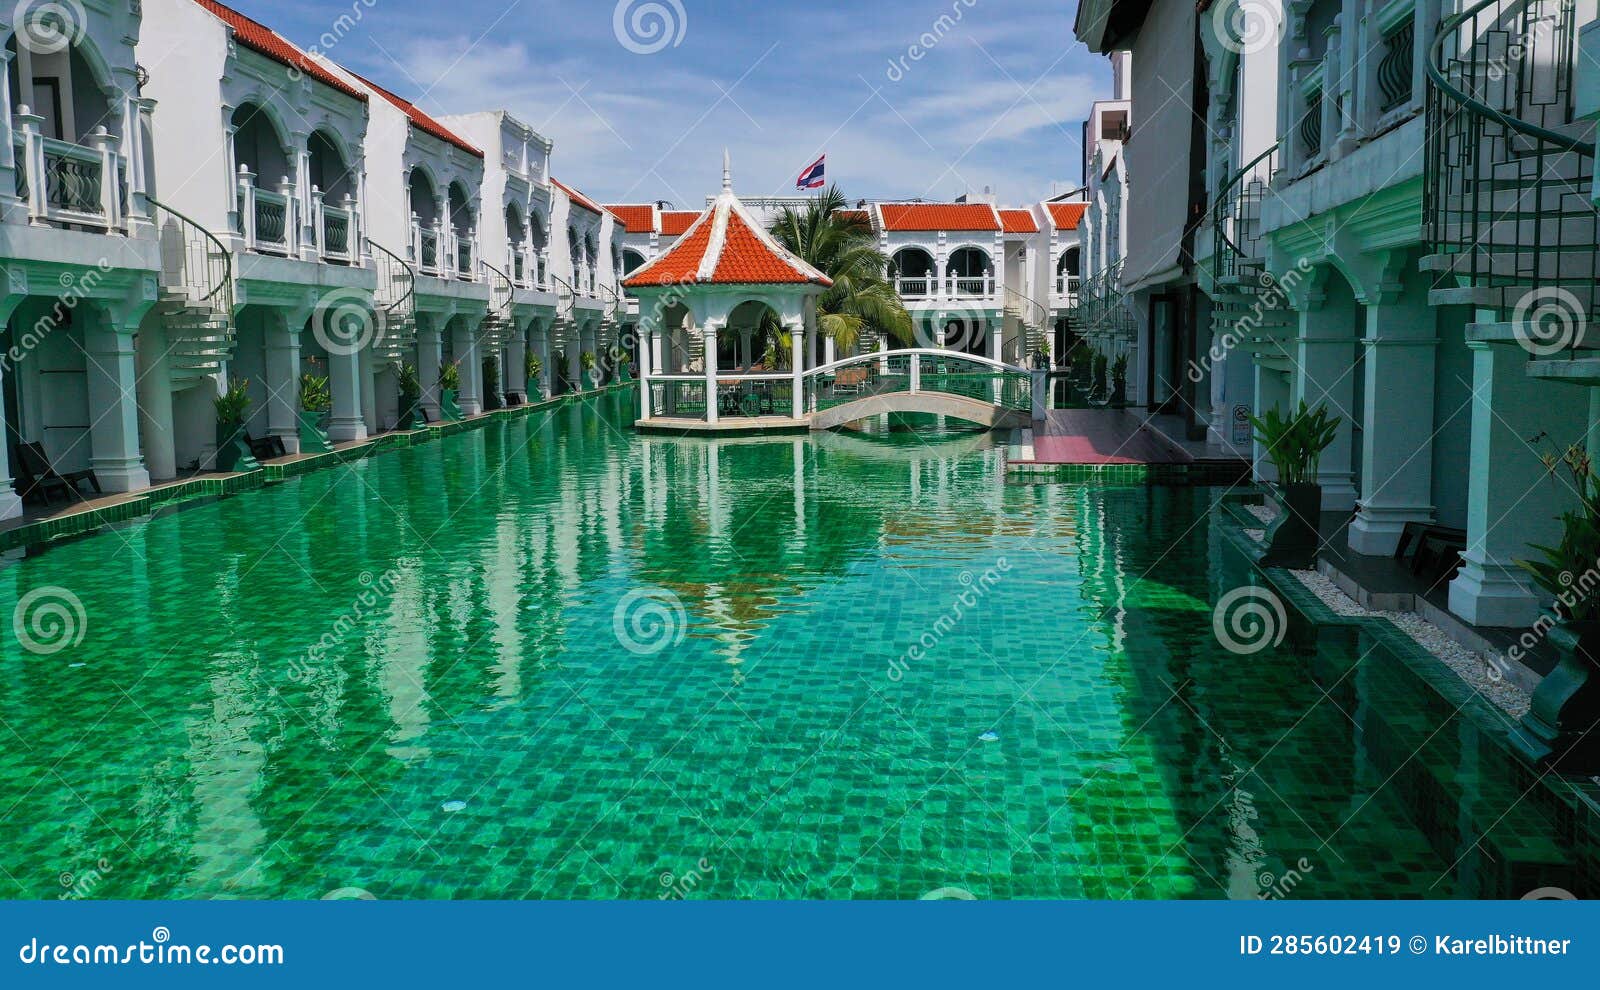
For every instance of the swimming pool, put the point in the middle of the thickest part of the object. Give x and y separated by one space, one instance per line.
550 658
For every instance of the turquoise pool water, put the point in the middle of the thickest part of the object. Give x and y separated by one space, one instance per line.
411 677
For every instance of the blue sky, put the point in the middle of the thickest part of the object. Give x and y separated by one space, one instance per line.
996 100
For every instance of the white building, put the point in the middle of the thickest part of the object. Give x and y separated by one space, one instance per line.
192 203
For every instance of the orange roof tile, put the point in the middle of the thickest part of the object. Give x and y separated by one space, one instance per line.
675 222
1067 216
579 198
420 120
1018 222
259 38
638 218
725 246
938 216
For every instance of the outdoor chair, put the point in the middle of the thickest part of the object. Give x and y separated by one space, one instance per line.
1434 551
267 447
38 476
849 381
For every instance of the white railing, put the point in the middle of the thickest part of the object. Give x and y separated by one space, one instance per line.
427 247
68 183
336 228
267 220
947 287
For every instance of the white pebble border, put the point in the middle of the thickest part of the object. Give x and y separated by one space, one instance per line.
1265 513
1469 666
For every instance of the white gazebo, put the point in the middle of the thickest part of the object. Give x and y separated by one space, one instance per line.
702 306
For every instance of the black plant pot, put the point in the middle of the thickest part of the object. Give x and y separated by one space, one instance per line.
1292 539
1566 705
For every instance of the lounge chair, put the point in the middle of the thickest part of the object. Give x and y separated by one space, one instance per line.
267 447
1434 551
38 476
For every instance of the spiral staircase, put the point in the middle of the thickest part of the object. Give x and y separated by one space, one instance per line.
1250 309
499 327
1033 317
396 300
1509 218
195 299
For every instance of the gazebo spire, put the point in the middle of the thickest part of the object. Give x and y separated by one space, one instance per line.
727 171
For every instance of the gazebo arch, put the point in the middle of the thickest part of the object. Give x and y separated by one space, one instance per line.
732 281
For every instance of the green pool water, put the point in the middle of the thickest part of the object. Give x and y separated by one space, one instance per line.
411 677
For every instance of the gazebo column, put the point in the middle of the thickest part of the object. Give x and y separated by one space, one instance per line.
711 372
645 340
797 367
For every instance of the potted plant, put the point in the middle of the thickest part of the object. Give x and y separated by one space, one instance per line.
1100 367
1556 731
1295 444
410 397
316 398
1041 356
491 379
449 385
1119 381
233 444
534 365
586 362
619 361
1078 366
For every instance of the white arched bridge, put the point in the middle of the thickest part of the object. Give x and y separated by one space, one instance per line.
967 387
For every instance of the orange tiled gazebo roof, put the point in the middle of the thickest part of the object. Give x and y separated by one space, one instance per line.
726 246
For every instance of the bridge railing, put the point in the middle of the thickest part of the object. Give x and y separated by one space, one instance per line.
919 370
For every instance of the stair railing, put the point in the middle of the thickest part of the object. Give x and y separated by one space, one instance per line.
397 289
1508 180
194 260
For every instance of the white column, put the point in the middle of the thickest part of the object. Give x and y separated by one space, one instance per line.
1397 445
646 356
113 406
283 381
571 343
429 359
1512 500
1325 376
155 403
464 348
515 370
10 502
797 368
344 380
711 372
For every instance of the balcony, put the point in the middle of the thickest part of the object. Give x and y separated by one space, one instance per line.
64 183
464 270
270 222
1067 289
948 287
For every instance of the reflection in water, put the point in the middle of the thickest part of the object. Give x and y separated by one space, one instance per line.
406 676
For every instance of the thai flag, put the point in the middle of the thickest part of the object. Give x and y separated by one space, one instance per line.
812 177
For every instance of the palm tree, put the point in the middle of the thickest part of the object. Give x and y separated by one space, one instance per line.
844 249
